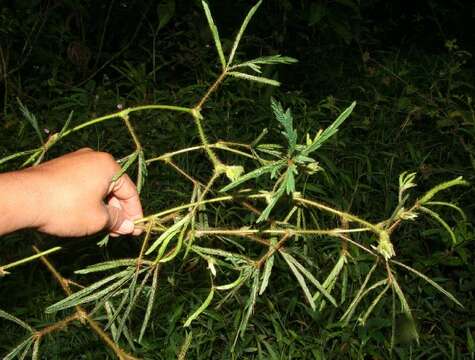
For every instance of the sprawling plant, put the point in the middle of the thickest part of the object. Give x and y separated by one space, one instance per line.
237 258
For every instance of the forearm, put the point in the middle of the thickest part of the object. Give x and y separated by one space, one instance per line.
19 201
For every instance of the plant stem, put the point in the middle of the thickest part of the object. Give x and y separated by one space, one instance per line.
29 258
182 207
131 129
341 214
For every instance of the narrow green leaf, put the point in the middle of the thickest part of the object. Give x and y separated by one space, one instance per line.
310 277
76 298
124 168
404 305
185 346
150 303
246 21
266 60
430 281
9 317
107 265
202 308
251 175
359 295
250 304
441 221
167 235
300 280
329 131
273 201
142 171
450 205
178 246
215 33
66 124
432 192
24 345
232 285
267 269
31 119
258 79
373 304
36 350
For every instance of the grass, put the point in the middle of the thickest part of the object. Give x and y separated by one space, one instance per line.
399 126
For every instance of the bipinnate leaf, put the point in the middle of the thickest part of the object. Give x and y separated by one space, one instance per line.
285 118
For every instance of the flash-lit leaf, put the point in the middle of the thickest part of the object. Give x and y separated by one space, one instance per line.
285 118
202 308
124 168
246 21
441 221
323 136
251 175
31 119
215 33
258 79
9 317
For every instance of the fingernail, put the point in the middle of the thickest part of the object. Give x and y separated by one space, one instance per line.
126 227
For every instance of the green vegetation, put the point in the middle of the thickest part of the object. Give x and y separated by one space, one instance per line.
281 222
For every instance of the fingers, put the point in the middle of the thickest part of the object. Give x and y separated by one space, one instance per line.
123 195
118 224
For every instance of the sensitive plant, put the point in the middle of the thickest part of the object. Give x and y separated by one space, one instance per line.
275 212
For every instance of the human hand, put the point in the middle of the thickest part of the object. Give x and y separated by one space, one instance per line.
74 196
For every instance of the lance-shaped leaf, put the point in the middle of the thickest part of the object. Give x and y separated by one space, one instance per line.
267 269
254 78
200 309
265 60
168 234
124 168
31 119
215 33
250 304
107 265
329 131
405 306
9 317
432 192
290 259
150 302
430 281
23 346
85 293
441 221
254 174
246 21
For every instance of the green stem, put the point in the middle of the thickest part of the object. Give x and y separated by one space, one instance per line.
204 141
131 129
182 207
341 214
124 112
28 259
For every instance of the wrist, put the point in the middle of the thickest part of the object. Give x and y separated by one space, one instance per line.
20 203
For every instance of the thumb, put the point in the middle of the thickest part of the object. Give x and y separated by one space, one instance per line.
118 224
